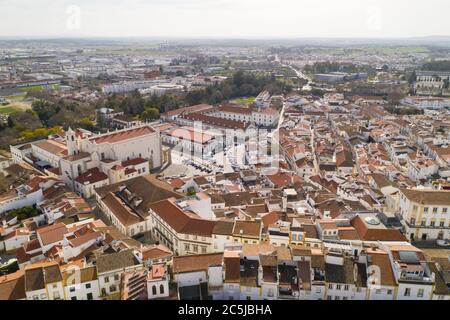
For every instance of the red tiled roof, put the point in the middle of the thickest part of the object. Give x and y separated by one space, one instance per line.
52 234
91 176
368 234
196 262
181 221
123 135
133 162
188 134
233 109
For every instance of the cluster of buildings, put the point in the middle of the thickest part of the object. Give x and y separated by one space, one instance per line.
347 208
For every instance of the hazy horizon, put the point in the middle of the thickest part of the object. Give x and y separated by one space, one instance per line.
224 19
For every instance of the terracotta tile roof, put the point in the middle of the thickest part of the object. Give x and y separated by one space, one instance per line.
52 234
17 233
181 221
52 147
281 179
82 239
155 252
84 275
215 121
39 274
177 183
376 234
115 261
133 162
232 268
78 156
199 262
123 135
234 109
120 210
256 249
223 228
381 259
347 233
147 188
268 219
12 286
244 228
190 135
434 197
91 176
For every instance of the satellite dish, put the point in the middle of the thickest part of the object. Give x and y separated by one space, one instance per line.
372 221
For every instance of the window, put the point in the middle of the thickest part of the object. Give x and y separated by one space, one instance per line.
442 223
425 210
106 279
378 291
444 210
330 286
73 298
407 292
338 287
329 297
344 298
112 288
88 285
187 247
337 298
154 290
203 249
435 210
195 248
432 223
420 293
72 289
161 289
89 296
412 221
389 291
422 223
116 277
346 287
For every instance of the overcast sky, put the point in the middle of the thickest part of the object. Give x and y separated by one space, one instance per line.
224 18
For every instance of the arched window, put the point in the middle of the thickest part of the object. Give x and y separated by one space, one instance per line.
161 289
79 169
154 290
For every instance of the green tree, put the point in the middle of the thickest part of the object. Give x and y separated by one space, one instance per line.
86 123
24 213
150 113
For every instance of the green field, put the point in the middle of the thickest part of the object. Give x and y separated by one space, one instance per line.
16 103
32 89
38 88
402 50
245 101
8 109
